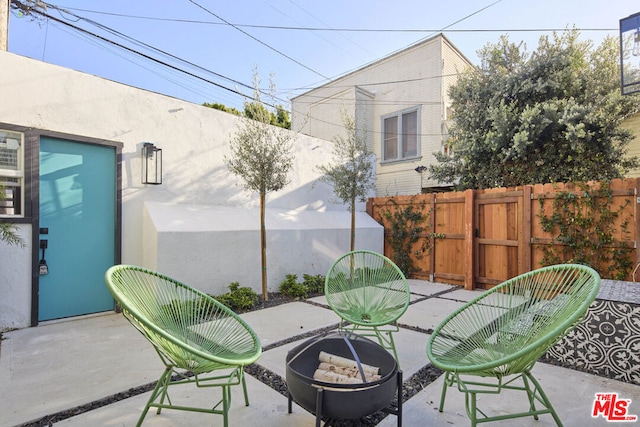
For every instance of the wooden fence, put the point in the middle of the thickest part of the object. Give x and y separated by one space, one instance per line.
483 237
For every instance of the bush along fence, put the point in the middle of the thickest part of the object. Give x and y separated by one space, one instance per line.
479 238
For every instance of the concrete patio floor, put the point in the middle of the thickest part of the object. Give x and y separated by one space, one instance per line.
62 365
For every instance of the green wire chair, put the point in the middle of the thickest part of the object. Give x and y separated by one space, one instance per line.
193 334
369 293
503 332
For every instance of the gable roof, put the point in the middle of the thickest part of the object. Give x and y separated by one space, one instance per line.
399 52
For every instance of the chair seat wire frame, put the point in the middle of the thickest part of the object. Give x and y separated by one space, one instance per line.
504 331
369 293
198 339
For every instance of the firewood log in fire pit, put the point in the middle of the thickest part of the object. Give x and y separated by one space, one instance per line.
332 401
340 370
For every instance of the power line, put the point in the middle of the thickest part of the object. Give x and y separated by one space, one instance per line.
258 40
87 33
312 16
172 67
110 30
146 45
418 42
236 92
121 46
341 29
185 84
36 10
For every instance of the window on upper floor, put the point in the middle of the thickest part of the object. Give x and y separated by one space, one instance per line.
11 172
400 135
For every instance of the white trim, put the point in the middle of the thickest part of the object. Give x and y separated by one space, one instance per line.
418 110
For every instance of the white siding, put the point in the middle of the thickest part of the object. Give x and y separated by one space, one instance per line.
414 77
325 115
364 115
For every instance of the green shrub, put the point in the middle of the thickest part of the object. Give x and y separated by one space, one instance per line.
291 288
238 298
314 284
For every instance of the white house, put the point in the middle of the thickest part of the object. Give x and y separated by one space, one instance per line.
70 157
401 104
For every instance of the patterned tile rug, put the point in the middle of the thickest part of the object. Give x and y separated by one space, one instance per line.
607 342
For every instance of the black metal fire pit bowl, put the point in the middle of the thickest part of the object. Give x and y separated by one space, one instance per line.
334 402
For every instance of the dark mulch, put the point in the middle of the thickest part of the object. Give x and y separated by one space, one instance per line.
274 299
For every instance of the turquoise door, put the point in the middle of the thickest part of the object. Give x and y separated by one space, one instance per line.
77 219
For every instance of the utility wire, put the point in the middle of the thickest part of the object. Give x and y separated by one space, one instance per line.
148 57
143 55
258 40
340 29
157 61
77 18
141 43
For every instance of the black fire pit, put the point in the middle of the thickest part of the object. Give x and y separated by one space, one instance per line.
343 401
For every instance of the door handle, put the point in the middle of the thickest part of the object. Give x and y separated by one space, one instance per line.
44 268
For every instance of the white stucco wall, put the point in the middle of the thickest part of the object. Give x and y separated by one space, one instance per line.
194 140
15 283
213 246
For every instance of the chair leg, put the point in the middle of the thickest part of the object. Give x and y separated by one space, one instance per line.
531 396
476 415
244 386
226 404
385 339
164 392
444 391
473 414
543 397
393 348
160 388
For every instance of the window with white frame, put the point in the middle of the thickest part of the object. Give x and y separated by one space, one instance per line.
11 173
400 135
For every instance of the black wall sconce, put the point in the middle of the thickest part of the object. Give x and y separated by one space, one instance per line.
421 169
151 164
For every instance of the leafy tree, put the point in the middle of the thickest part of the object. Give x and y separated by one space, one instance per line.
261 156
222 107
280 118
552 116
352 173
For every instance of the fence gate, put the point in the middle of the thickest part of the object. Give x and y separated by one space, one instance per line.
483 237
498 238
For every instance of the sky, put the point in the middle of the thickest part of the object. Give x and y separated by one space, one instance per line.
208 50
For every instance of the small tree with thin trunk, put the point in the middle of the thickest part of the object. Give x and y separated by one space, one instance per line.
260 154
352 172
